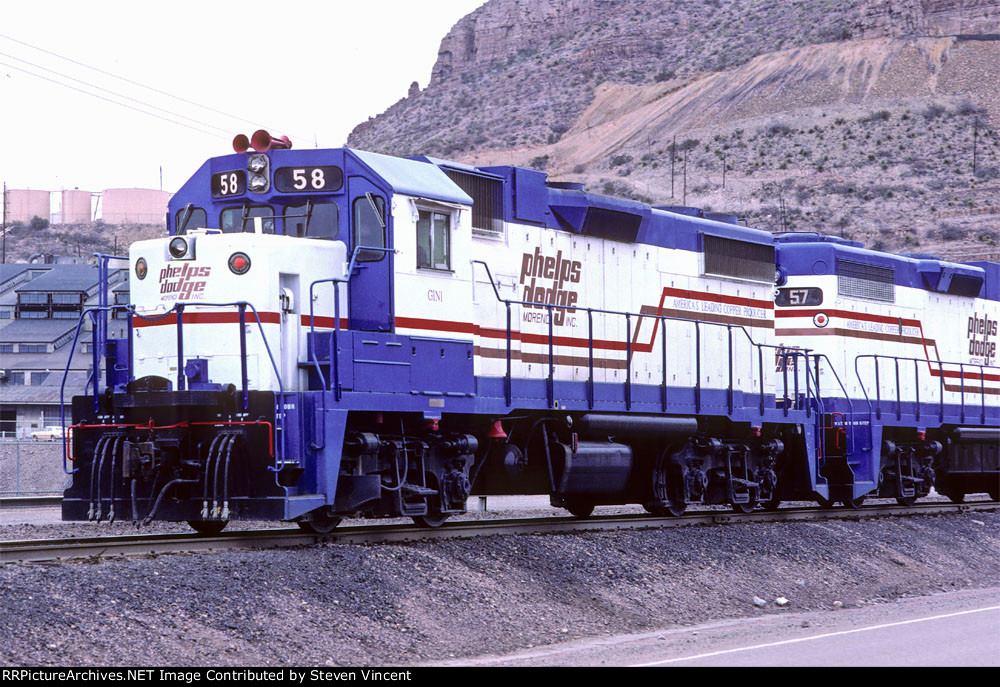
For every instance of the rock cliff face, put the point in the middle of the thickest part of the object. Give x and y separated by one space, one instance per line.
518 72
905 18
774 103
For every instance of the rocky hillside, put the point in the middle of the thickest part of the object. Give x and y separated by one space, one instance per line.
871 118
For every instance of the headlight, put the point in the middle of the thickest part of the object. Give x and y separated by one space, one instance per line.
178 247
257 163
140 268
258 183
239 263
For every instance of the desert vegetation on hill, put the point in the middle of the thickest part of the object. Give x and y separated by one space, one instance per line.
78 240
895 179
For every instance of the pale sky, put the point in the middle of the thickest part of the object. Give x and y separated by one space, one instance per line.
311 70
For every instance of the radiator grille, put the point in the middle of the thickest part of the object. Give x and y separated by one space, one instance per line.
487 201
740 259
858 280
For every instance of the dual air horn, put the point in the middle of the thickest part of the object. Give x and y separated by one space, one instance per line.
261 142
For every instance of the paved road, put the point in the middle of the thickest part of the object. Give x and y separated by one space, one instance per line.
954 629
962 638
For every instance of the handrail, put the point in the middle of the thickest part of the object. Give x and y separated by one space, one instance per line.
334 343
877 409
782 350
100 334
847 397
334 359
178 307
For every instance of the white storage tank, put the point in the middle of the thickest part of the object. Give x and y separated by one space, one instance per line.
23 205
76 207
134 206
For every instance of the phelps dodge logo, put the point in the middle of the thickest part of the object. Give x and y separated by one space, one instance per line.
979 333
549 276
183 283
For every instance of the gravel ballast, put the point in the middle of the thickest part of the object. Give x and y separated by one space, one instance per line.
405 604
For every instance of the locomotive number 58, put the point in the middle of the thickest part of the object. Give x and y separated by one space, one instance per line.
298 179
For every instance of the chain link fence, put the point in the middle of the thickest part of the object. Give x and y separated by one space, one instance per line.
31 467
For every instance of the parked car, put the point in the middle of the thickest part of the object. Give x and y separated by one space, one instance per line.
47 434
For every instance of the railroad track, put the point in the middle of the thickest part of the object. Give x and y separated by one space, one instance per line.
36 501
146 544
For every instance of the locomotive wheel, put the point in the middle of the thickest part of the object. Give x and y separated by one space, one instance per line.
853 504
431 520
666 483
956 496
321 523
208 527
665 509
824 503
747 507
906 500
580 508
994 492
771 504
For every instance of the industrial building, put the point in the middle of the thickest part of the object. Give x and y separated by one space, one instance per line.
40 306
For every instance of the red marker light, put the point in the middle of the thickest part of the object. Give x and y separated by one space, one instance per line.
239 263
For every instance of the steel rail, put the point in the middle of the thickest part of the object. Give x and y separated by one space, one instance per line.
30 501
152 544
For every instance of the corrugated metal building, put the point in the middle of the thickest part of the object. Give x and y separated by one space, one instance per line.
35 339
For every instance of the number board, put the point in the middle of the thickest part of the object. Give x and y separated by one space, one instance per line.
308 179
802 296
225 184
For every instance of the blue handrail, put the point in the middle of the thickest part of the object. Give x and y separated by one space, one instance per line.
178 307
336 281
877 408
780 350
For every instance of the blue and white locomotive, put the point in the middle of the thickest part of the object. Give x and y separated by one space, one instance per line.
336 333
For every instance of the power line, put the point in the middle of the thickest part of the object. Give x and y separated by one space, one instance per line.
101 97
115 93
142 85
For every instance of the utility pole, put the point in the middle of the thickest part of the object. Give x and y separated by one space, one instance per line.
3 227
685 201
673 156
975 140
723 170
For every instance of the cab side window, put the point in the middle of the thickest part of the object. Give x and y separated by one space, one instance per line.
369 226
433 240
